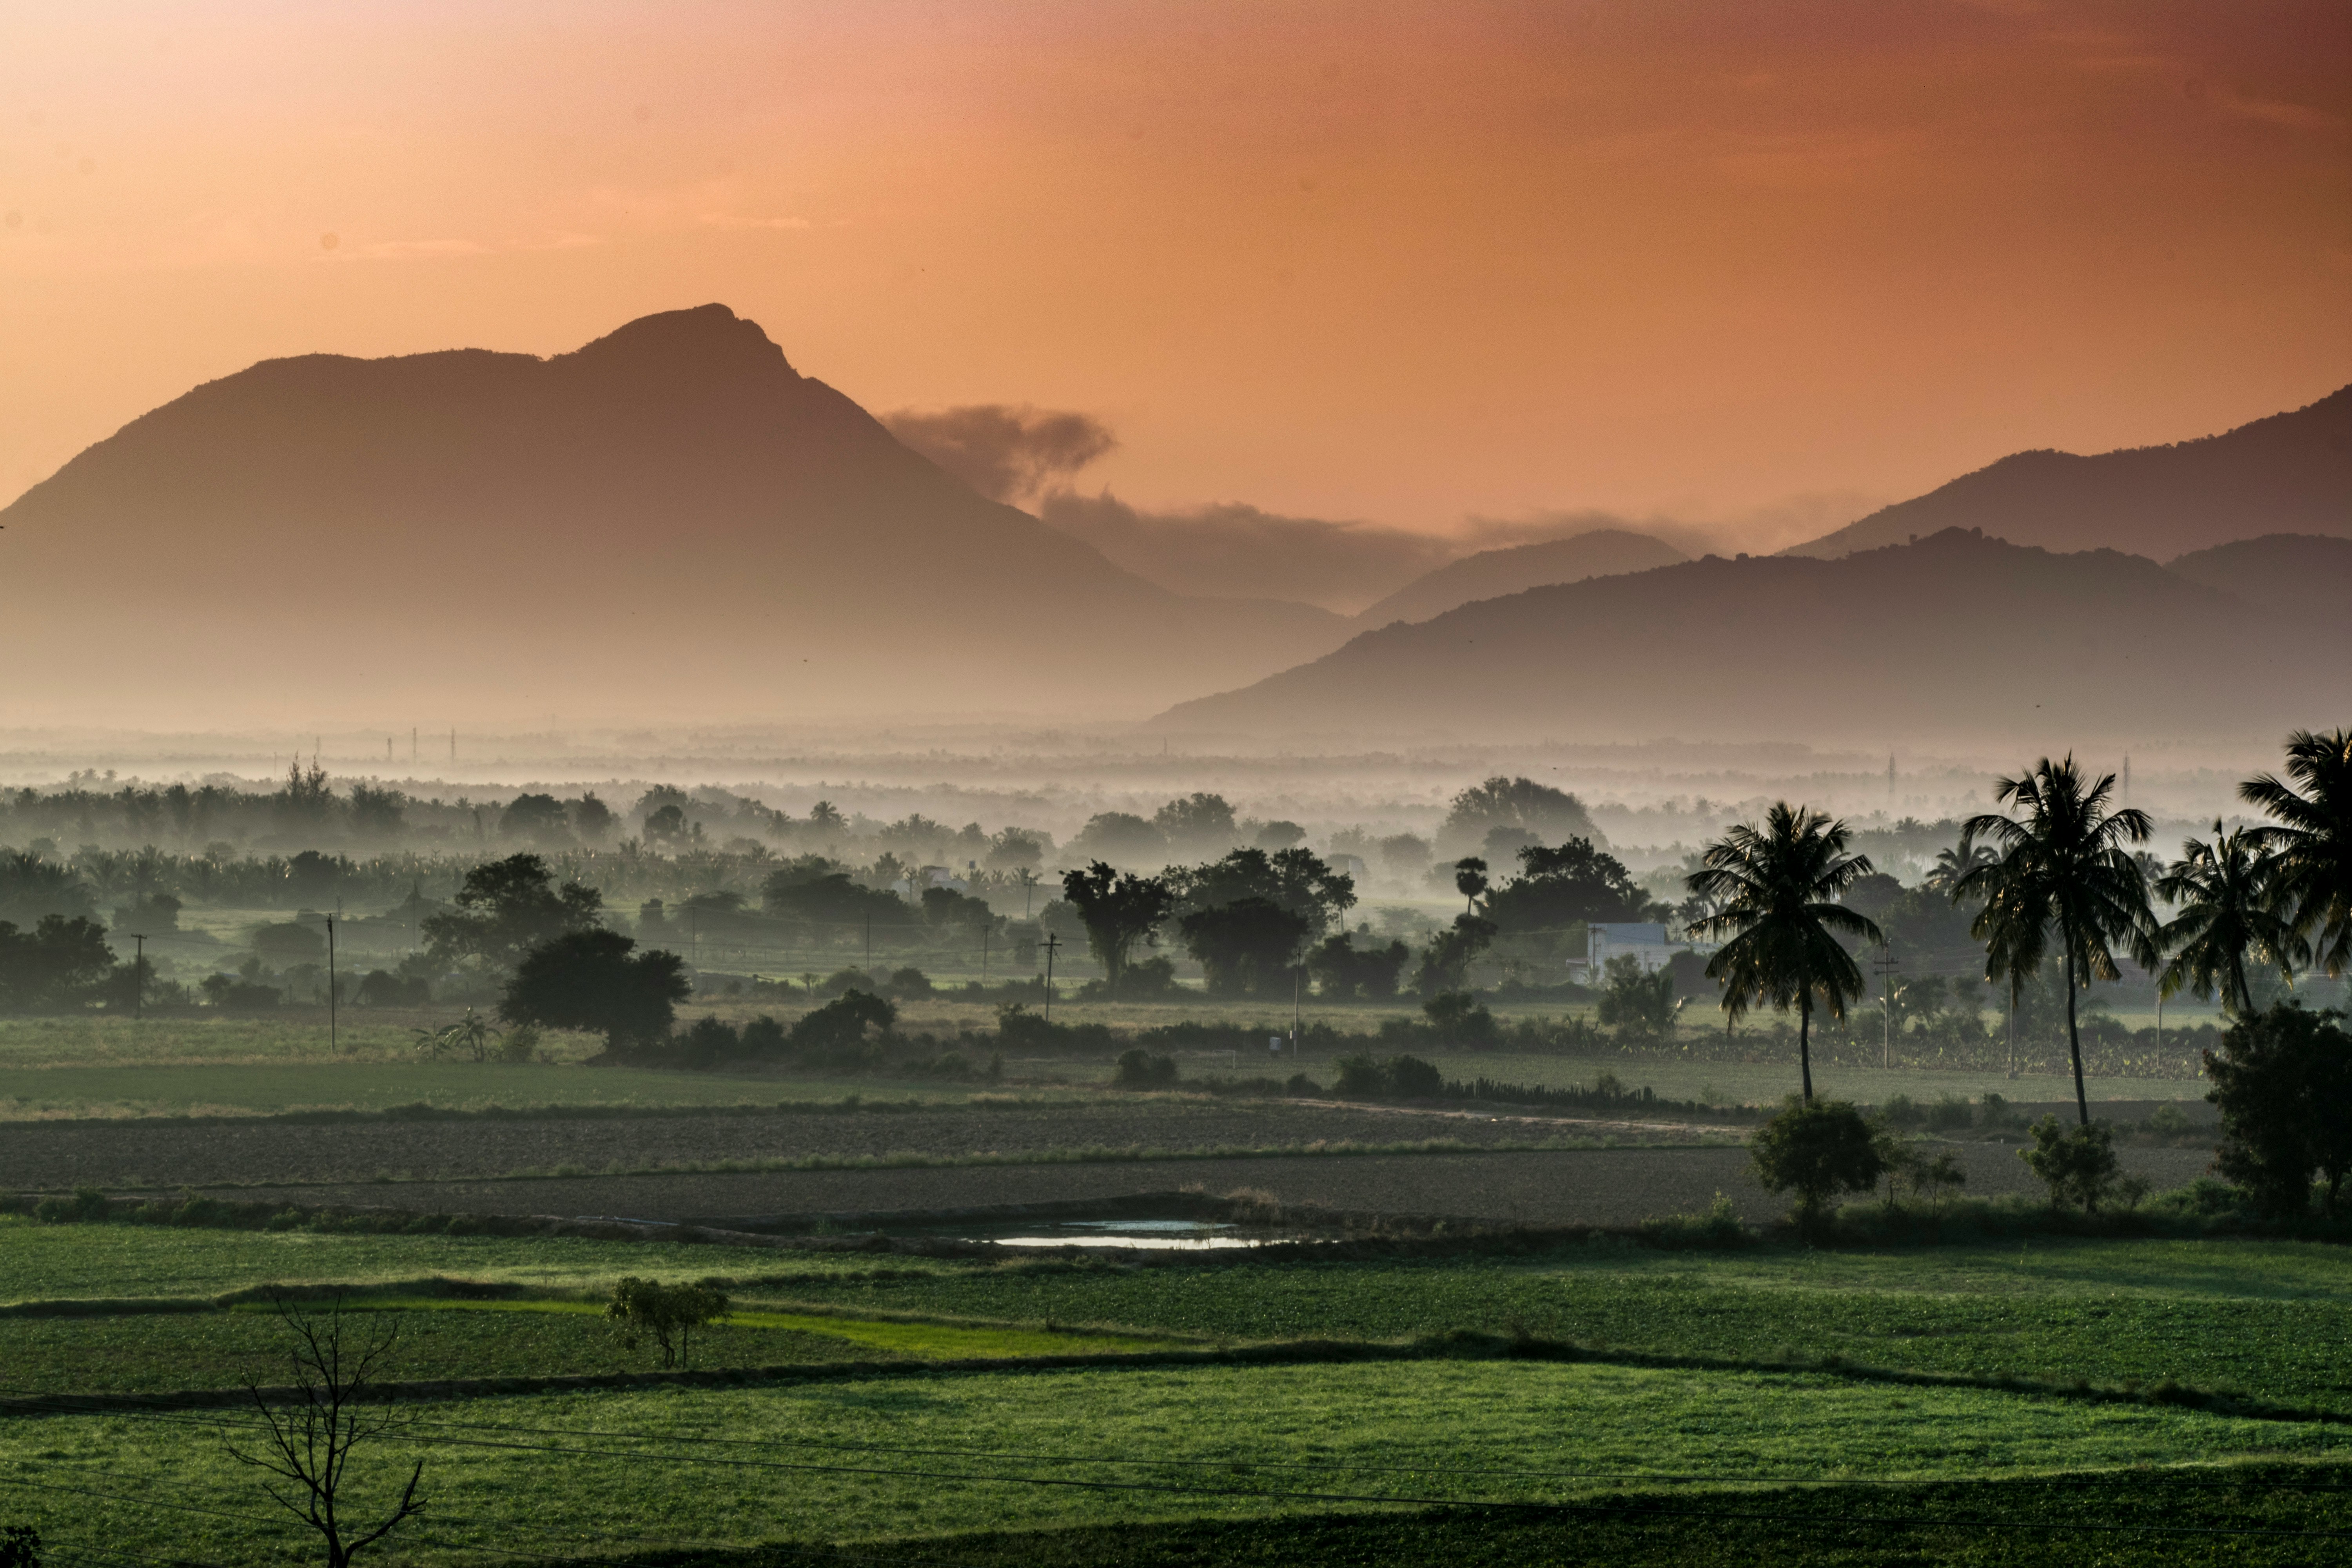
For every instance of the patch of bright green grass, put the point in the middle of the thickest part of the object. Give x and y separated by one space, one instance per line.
899 1457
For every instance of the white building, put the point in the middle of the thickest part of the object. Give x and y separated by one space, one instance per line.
1646 942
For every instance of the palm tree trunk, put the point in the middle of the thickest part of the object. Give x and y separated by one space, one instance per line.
2075 1041
1804 1041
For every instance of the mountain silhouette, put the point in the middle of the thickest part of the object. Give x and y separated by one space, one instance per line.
2291 473
2297 574
1491 573
1958 637
671 519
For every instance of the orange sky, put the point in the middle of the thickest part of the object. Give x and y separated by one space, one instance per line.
1401 262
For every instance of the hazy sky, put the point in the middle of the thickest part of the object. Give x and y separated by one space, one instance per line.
1401 262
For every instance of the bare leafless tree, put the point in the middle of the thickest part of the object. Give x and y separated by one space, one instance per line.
313 1433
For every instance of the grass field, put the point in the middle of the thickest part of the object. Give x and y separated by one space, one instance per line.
930 1455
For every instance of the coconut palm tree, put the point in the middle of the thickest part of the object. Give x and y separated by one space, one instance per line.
2312 875
1774 892
2064 871
1956 862
2226 913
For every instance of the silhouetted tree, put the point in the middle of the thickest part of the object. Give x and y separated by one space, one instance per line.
2282 1080
2226 914
308 1441
536 819
1774 895
505 909
1470 881
2063 870
2311 879
55 963
595 981
1559 886
1119 908
1246 947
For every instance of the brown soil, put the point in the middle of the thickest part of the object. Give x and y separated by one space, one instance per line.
1597 1186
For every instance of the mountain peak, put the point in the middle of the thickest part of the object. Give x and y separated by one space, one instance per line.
702 340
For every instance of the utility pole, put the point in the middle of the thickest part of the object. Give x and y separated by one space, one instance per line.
412 745
1888 969
2012 1026
1053 946
139 975
1296 1015
984 957
453 743
331 1043
869 944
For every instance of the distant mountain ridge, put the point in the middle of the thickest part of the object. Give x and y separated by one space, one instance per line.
2289 473
1958 636
670 519
1491 573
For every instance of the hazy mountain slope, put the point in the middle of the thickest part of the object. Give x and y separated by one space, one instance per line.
2291 473
1957 637
1491 573
670 519
2299 575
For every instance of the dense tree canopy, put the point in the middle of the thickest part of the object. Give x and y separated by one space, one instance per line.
1559 887
2311 839
1119 908
1546 813
595 981
505 909
58 960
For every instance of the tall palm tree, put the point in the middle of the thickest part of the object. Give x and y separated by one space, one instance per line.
1774 893
2064 871
2222 891
1956 862
2312 877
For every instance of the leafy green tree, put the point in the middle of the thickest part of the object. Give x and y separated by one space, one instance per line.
505 909
2282 1080
1774 894
1559 887
2077 1163
2064 871
667 1314
1546 813
1460 1019
834 1034
1816 1150
2311 877
2227 914
536 819
55 963
1196 822
1119 908
595 981
1446 959
592 819
1340 970
1637 1002
1296 881
1244 948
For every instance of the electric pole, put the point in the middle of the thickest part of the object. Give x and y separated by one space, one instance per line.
1888 969
1053 946
331 1043
984 958
139 975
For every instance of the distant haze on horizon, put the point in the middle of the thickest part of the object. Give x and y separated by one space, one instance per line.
1411 264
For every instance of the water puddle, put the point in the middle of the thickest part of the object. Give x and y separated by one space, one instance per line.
1152 1235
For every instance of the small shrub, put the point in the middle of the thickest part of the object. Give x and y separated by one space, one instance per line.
1300 1084
1410 1077
2078 1163
1460 1019
1949 1114
1139 1068
521 1044
2168 1121
908 982
1899 1112
1360 1076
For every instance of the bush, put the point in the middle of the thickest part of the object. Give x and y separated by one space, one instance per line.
1949 1114
1020 1031
1903 1111
908 984
520 1045
1398 1077
835 1033
1818 1151
2078 1163
1460 1019
1140 1069
1300 1084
